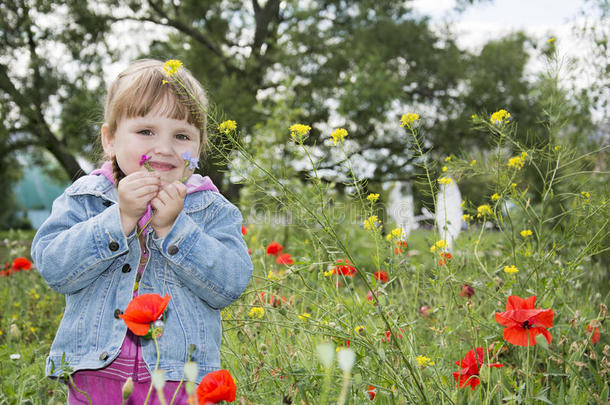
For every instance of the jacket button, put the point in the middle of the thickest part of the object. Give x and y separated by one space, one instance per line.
117 312
114 246
126 268
172 250
103 356
107 203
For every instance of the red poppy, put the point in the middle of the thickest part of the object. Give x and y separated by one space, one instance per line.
272 299
522 320
388 335
382 276
401 245
274 249
244 230
345 268
467 291
215 387
21 263
144 310
445 257
284 259
372 391
593 332
470 368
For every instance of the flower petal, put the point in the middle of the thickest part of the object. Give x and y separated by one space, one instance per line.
516 335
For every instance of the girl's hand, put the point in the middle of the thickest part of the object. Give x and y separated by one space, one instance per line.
135 191
167 204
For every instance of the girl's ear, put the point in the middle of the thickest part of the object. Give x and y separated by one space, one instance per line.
107 141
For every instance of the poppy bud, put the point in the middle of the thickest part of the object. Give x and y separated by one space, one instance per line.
127 388
190 371
14 331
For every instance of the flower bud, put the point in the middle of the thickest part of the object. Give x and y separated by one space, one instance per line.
127 388
158 379
346 359
14 331
326 352
190 371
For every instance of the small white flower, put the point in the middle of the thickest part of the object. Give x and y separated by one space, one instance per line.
158 379
346 359
15 356
326 352
190 371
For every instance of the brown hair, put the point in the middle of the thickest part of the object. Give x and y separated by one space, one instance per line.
144 86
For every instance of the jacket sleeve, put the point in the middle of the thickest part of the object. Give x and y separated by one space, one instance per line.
71 250
212 258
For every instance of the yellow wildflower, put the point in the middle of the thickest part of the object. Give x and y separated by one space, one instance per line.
512 269
445 180
424 361
448 158
338 135
272 276
483 210
227 126
407 120
439 244
371 222
304 316
495 197
516 162
359 329
299 131
258 312
473 117
171 67
473 162
526 232
444 168
550 40
466 218
328 273
397 232
462 203
500 117
585 194
373 197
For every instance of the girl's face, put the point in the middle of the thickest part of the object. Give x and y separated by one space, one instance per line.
162 139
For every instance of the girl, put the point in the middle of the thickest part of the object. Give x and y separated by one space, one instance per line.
103 244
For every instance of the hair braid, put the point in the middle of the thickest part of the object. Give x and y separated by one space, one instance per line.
117 172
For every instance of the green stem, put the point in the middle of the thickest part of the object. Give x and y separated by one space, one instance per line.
156 367
80 391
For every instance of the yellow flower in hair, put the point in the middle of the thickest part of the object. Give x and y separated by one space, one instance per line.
338 135
227 127
171 67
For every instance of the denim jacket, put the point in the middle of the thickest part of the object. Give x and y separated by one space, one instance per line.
82 252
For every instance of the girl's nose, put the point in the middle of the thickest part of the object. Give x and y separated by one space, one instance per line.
163 146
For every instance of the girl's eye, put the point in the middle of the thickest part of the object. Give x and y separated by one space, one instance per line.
145 132
183 137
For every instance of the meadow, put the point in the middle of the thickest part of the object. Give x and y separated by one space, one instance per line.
344 307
